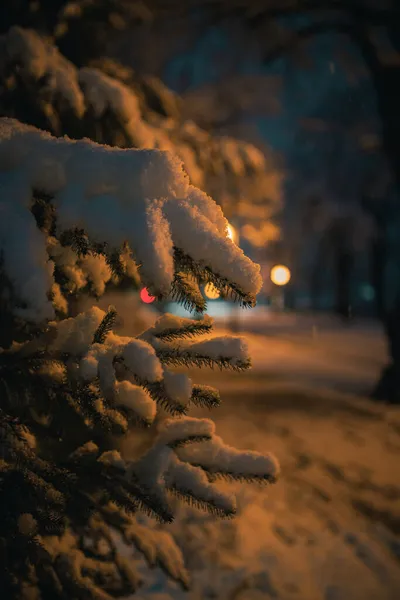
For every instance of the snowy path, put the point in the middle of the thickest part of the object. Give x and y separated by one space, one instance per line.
330 529
316 350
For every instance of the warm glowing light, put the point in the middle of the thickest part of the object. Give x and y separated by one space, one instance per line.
232 233
280 275
145 296
211 291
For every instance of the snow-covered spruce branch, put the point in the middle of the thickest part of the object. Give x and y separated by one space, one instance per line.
157 546
101 359
72 390
97 393
140 198
219 460
226 352
170 327
189 480
86 564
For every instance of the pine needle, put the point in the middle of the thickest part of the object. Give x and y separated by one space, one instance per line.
205 274
261 479
213 509
192 439
185 290
179 357
189 330
105 326
205 396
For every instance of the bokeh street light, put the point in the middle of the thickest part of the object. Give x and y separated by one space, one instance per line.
146 297
211 291
280 275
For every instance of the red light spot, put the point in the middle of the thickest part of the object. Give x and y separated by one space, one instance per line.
145 296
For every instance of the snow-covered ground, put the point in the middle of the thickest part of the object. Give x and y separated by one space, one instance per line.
330 528
315 350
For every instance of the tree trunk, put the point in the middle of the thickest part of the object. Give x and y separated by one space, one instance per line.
343 271
318 269
316 283
388 387
386 80
378 260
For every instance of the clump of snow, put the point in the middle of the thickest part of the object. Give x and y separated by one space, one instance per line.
28 437
253 158
159 547
53 370
104 93
40 59
75 335
22 247
89 449
151 468
136 399
174 430
112 458
189 159
229 150
171 322
97 271
208 208
65 258
27 524
89 365
194 232
217 457
128 263
138 356
233 349
58 299
141 359
191 481
80 270
178 387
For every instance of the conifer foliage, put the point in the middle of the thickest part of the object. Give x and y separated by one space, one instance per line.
95 426
111 104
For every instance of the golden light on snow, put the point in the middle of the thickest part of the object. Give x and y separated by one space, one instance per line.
232 233
280 275
211 291
145 296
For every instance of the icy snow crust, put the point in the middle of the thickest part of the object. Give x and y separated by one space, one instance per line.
141 197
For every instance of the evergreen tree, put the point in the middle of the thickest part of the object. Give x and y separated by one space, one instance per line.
94 426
